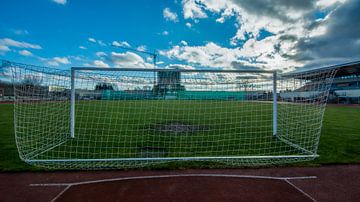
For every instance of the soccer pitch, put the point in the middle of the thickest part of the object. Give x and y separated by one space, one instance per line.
339 141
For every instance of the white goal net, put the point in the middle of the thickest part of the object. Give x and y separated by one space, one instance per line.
89 118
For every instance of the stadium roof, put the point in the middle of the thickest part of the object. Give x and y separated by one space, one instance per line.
344 69
347 68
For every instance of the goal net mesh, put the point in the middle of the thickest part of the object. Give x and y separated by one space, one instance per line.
136 118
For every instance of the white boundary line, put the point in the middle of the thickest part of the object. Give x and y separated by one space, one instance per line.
61 193
70 184
170 176
300 190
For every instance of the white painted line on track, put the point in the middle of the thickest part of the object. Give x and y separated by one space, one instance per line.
300 190
174 176
61 193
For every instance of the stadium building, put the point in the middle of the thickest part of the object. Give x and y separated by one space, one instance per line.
345 88
346 85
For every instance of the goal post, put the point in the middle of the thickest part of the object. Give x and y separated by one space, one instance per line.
72 104
98 118
74 69
274 103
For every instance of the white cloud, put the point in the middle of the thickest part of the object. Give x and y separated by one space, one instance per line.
188 24
98 63
100 54
92 40
115 43
126 58
141 48
254 16
192 10
19 44
184 43
220 20
78 58
327 3
254 54
62 2
210 55
56 61
4 48
318 31
25 53
62 60
121 44
179 66
82 47
52 63
101 43
129 59
291 24
165 33
149 59
20 32
169 15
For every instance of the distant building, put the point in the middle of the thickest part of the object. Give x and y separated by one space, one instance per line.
6 89
168 83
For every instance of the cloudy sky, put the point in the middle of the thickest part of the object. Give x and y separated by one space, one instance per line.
233 34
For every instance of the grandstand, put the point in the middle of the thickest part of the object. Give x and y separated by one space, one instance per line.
345 88
346 85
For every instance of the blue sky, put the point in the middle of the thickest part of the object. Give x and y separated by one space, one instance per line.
186 34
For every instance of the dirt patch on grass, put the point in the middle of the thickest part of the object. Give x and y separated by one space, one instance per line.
179 128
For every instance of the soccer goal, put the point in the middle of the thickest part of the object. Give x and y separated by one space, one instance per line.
89 118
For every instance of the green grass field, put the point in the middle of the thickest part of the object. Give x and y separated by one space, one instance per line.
152 128
339 142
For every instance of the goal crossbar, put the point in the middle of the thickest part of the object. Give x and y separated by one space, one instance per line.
171 70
